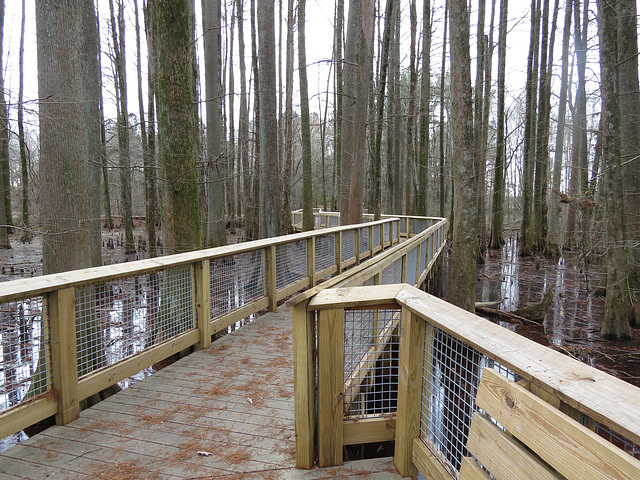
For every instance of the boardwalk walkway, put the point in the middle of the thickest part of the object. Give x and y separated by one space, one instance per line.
223 412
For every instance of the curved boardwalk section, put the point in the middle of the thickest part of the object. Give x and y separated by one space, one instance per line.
223 412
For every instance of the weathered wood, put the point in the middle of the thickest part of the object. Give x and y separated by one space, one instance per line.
330 387
570 448
470 470
62 325
304 384
580 386
203 302
31 412
410 367
369 430
504 456
426 463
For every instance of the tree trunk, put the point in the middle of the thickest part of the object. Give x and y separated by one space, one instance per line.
181 219
441 130
526 230
307 184
232 162
394 169
425 99
615 324
255 178
464 249
270 199
216 161
478 112
337 127
410 165
24 160
630 141
5 211
554 219
497 212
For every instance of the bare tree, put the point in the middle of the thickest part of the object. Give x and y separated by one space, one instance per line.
307 181
24 160
5 209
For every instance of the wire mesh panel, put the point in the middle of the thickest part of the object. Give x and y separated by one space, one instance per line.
376 236
120 318
371 346
334 221
450 380
325 252
412 266
403 226
618 440
392 273
236 281
419 225
291 263
348 245
387 231
25 359
424 252
364 240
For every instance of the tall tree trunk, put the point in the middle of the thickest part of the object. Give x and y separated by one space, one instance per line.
376 161
181 219
442 129
478 112
255 179
464 249
497 213
425 99
615 324
410 165
307 173
92 86
24 160
528 170
150 162
629 95
5 213
288 108
554 219
118 38
394 167
243 122
578 178
216 161
540 207
337 116
270 198
232 163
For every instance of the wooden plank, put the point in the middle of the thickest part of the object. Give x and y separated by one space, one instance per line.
64 359
579 385
410 367
304 384
203 302
470 470
369 430
568 447
221 323
337 241
102 379
504 456
330 387
22 416
426 463
353 297
311 260
270 259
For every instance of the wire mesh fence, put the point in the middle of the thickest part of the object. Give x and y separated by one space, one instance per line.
25 351
376 236
325 252
291 263
371 347
117 319
392 273
412 266
236 280
364 241
348 245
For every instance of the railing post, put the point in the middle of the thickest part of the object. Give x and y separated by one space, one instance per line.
412 330
64 357
203 302
356 244
403 274
311 260
330 387
272 287
304 384
337 241
371 238
408 228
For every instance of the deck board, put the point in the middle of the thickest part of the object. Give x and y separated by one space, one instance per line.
233 400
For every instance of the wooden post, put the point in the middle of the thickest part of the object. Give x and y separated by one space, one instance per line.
337 241
370 228
304 383
330 387
203 302
272 288
356 244
419 253
311 260
403 274
64 357
408 228
409 391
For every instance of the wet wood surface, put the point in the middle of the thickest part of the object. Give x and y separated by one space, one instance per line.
223 412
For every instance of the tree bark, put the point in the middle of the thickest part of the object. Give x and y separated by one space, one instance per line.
307 174
24 160
181 219
442 129
425 100
411 159
615 324
337 128
5 211
464 249
394 164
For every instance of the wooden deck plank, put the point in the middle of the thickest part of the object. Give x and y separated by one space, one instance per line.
156 427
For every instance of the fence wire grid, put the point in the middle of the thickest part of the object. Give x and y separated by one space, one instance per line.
371 346
291 263
25 352
325 252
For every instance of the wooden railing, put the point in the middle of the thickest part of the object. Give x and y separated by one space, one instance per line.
558 417
67 336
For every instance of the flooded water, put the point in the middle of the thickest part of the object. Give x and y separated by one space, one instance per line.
572 324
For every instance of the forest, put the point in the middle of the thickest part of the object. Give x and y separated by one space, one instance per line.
201 118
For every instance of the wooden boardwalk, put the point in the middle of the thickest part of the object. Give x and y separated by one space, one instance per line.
223 412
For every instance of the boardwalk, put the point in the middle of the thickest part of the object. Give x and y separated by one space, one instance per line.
223 412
